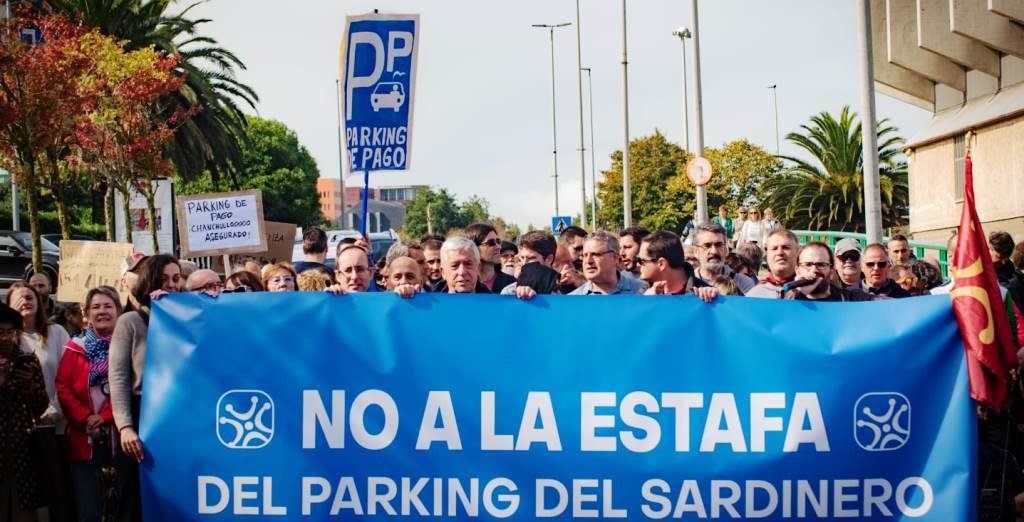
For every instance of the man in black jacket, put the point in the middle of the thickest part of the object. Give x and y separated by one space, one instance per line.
876 266
1000 246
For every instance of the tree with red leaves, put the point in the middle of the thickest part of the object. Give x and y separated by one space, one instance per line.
124 138
46 88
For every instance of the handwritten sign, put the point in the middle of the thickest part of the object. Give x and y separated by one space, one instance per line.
222 223
87 264
280 244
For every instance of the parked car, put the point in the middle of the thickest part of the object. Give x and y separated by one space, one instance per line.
55 238
16 257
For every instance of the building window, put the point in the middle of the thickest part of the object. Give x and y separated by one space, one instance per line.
959 163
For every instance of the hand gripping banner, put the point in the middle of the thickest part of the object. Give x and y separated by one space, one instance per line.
370 407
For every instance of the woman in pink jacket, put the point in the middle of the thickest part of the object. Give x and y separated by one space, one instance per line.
84 394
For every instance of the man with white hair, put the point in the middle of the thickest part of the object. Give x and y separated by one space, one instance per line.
206 281
460 267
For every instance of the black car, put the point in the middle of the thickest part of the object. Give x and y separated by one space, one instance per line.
16 257
55 238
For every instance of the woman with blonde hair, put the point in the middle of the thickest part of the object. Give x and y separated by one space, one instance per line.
279 277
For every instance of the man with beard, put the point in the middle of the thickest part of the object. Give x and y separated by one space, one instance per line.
780 249
712 246
815 263
601 268
629 248
662 266
432 260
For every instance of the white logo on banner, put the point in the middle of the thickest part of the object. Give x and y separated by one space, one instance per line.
881 421
245 419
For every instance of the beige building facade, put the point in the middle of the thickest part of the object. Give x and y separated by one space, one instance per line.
964 61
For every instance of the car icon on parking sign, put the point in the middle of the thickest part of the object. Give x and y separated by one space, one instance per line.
387 95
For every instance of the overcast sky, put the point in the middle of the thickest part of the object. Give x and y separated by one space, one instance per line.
483 102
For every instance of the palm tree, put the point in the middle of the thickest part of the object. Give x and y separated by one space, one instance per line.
828 193
213 140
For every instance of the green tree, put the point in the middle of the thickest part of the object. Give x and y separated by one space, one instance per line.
474 210
278 165
444 213
828 192
663 196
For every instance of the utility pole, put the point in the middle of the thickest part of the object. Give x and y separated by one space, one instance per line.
775 100
341 158
579 91
698 114
684 33
869 137
627 199
554 125
593 161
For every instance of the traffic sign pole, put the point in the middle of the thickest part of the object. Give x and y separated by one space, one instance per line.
366 198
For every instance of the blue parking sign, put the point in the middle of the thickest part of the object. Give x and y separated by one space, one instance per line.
378 67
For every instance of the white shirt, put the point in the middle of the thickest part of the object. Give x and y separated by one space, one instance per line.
49 358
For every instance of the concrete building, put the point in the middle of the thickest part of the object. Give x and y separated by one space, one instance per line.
386 209
963 60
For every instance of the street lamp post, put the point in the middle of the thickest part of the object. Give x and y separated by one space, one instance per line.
775 101
593 162
579 92
684 33
627 198
554 127
869 136
698 115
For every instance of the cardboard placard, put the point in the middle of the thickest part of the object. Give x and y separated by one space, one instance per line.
84 265
280 244
221 223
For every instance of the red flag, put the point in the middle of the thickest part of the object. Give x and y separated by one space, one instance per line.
979 309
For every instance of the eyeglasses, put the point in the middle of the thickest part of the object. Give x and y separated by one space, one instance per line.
849 256
238 289
588 255
709 246
577 248
644 260
210 287
876 264
281 280
820 266
491 243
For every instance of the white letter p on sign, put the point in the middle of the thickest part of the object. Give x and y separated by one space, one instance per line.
352 81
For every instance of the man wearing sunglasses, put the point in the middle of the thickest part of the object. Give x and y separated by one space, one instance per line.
848 254
601 268
487 240
663 266
876 267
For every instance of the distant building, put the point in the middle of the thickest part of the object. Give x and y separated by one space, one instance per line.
399 193
964 62
383 214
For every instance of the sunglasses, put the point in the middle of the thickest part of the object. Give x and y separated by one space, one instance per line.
849 256
238 289
491 243
876 264
907 281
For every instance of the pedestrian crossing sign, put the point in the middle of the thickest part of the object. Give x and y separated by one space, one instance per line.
560 223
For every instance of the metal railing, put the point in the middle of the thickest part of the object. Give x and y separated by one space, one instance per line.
920 248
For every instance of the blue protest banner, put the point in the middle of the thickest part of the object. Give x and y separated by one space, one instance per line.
378 70
305 405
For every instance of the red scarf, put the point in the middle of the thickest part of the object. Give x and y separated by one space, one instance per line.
776 281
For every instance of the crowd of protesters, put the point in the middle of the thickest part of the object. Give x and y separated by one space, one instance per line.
71 377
